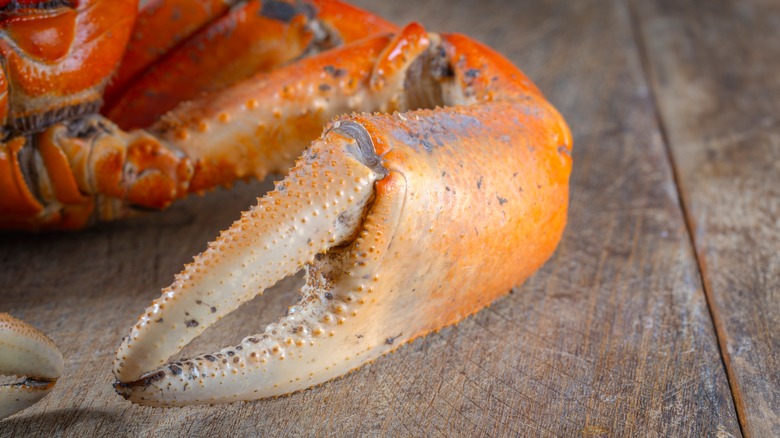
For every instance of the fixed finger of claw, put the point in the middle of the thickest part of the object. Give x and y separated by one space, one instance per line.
26 352
314 342
316 207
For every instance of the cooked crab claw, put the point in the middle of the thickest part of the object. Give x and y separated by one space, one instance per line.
404 223
26 352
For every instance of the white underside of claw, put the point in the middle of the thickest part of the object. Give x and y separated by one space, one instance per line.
317 207
26 352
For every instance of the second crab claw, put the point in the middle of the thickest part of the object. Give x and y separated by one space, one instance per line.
404 223
26 352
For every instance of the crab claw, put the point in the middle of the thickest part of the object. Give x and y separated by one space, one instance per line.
404 224
25 351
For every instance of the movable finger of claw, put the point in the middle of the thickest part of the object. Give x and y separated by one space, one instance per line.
336 235
26 352
316 207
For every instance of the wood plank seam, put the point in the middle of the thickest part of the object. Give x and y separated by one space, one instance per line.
646 73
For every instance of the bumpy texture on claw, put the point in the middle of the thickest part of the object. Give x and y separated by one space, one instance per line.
26 352
404 223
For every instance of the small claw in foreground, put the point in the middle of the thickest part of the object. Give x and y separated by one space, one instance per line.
26 352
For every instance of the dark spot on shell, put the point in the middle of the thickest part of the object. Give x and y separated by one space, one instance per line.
175 370
213 309
146 381
236 360
472 73
210 358
278 10
158 320
253 340
239 348
191 323
198 302
307 9
479 183
562 149
231 353
335 72
389 341
328 295
501 201
324 87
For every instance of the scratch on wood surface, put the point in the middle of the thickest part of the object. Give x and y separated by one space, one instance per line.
496 360
593 364
467 376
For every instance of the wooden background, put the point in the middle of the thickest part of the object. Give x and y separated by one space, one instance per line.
658 315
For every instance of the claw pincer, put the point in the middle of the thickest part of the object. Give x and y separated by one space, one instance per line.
404 223
26 352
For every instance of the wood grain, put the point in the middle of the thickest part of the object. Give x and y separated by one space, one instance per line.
612 338
716 72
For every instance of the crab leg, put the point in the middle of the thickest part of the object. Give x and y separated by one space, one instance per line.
25 351
85 169
404 223
255 127
254 36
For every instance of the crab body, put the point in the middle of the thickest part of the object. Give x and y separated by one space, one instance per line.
445 187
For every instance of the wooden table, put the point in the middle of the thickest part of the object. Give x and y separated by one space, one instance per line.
658 315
